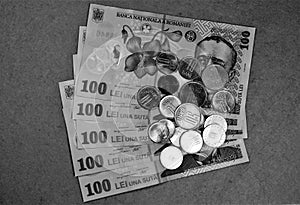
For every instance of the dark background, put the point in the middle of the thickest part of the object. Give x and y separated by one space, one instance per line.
37 41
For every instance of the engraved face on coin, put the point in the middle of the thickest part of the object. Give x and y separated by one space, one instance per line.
214 77
176 136
193 92
168 105
216 119
189 68
170 125
158 132
188 116
223 101
166 62
171 157
148 97
214 135
168 84
191 141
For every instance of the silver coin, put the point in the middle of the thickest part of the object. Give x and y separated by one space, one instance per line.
214 77
168 105
191 141
214 135
176 136
216 119
223 101
148 97
158 132
170 125
171 157
188 116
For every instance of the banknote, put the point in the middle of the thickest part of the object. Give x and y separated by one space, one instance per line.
88 161
127 49
109 183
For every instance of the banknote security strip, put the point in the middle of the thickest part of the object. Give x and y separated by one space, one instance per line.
154 98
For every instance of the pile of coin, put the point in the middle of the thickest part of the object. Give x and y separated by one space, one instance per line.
185 127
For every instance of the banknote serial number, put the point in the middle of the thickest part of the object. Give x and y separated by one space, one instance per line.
94 87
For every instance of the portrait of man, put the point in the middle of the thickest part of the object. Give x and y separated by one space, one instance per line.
216 50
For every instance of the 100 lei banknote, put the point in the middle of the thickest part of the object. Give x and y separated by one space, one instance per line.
106 171
103 74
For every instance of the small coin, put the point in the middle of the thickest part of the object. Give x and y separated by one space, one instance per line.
170 125
188 116
191 141
193 92
168 84
223 101
158 132
171 157
189 68
166 62
214 135
168 105
203 153
148 97
214 77
216 119
176 136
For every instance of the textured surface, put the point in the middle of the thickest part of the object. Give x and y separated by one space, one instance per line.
37 40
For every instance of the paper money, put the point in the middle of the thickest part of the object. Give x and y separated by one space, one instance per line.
118 53
115 35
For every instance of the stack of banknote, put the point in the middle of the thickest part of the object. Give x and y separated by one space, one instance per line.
151 94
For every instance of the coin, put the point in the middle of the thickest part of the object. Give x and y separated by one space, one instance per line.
158 132
171 157
214 77
203 153
176 136
166 62
189 68
188 116
148 97
192 92
168 105
223 101
216 119
191 141
170 125
168 84
214 135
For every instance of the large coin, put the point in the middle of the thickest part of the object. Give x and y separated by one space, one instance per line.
170 125
193 92
216 119
189 68
214 135
171 157
168 105
214 77
223 101
188 116
191 141
168 84
166 62
148 97
158 132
